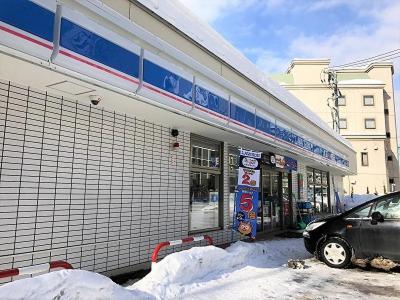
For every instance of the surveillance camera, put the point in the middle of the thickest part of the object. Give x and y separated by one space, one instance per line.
95 99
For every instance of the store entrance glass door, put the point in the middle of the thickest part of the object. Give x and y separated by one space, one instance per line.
270 204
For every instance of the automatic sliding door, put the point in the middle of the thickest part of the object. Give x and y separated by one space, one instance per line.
266 199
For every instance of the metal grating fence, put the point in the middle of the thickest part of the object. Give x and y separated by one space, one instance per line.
94 187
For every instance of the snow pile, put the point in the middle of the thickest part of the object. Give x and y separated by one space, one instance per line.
350 202
242 271
68 285
202 264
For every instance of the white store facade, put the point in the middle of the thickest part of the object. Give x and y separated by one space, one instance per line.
99 185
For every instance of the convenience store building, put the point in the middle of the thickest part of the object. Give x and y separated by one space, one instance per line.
120 128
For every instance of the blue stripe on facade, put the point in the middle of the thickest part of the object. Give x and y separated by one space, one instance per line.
86 43
242 115
211 101
285 135
75 38
265 126
29 17
167 80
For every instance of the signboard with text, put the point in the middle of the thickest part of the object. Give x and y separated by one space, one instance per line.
246 199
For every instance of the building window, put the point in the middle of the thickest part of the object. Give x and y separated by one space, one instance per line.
233 177
364 159
318 190
369 123
205 184
390 158
388 135
386 111
391 180
341 101
368 100
343 123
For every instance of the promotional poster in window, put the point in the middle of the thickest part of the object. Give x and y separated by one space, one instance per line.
246 199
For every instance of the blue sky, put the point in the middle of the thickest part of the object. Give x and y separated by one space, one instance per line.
273 32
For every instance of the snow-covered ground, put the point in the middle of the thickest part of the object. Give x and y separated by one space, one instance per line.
242 271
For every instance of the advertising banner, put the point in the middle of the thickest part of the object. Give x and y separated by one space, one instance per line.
246 198
246 204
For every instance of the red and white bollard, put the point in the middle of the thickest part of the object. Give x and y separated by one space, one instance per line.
177 242
35 269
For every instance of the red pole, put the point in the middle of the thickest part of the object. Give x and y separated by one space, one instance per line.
178 242
60 264
209 239
9 273
35 269
157 249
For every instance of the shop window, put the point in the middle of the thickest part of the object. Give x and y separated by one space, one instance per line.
343 123
342 101
205 184
369 123
368 100
318 190
364 159
310 176
233 178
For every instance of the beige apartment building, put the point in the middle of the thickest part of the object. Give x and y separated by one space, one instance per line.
366 117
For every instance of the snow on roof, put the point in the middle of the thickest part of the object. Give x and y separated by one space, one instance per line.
184 20
360 82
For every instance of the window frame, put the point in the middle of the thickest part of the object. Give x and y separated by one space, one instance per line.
233 168
369 96
344 103
362 160
197 139
384 199
352 217
369 119
345 120
321 185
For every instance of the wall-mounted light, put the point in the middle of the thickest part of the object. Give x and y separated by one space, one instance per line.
95 99
174 132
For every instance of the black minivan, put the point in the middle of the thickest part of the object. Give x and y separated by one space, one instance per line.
366 231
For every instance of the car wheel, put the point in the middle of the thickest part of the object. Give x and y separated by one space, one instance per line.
336 253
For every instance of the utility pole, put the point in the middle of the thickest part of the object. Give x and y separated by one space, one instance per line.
329 76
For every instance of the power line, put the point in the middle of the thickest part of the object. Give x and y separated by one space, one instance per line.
364 61
386 58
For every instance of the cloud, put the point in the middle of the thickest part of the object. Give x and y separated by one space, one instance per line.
356 42
266 60
211 10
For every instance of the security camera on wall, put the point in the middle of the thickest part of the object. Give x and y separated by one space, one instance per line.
95 99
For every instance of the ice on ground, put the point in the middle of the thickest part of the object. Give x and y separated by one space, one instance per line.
357 199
